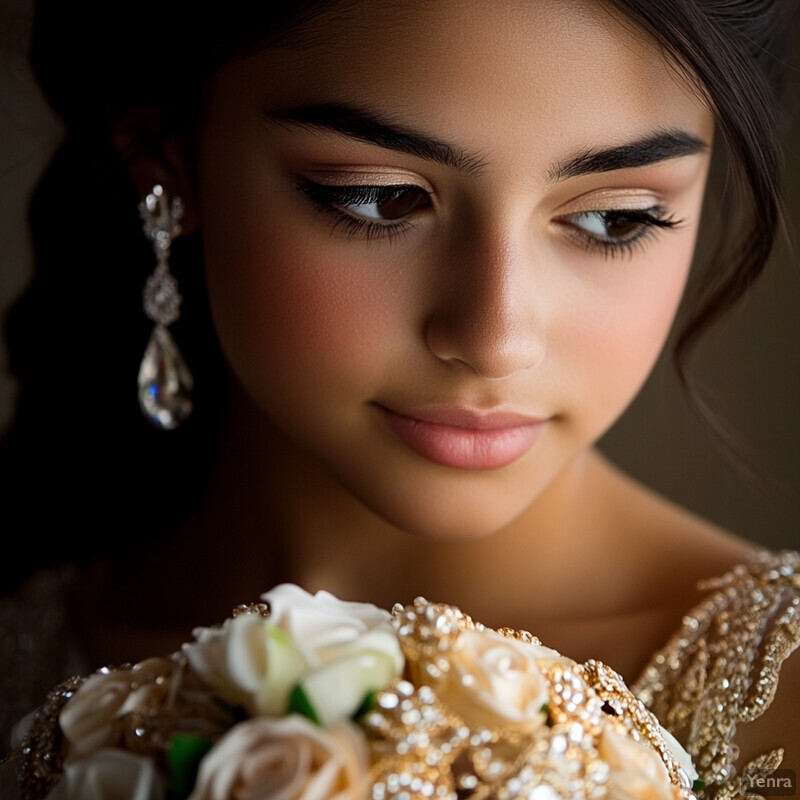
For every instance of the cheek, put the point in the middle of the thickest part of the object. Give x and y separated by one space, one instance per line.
293 315
620 329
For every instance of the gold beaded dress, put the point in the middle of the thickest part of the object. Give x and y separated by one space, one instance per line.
721 668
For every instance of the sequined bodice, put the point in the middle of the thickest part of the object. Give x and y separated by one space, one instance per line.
721 668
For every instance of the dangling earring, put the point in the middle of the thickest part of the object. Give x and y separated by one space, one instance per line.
165 383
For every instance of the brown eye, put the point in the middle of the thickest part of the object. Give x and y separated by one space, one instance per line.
616 231
369 212
386 203
613 225
620 226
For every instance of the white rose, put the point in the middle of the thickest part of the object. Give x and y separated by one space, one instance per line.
683 759
288 758
636 770
336 652
87 718
495 680
209 656
109 775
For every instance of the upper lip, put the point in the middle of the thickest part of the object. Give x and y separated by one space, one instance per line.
482 419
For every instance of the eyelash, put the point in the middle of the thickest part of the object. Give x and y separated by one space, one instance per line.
330 199
333 199
648 222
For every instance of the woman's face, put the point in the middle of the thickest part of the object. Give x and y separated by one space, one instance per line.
445 242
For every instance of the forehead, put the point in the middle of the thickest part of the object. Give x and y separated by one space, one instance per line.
542 75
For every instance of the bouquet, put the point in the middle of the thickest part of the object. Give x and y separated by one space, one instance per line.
307 697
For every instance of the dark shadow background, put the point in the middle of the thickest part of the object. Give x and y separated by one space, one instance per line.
747 367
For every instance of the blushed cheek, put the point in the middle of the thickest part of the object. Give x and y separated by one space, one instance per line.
622 334
291 316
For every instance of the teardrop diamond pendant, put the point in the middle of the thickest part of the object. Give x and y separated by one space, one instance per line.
165 383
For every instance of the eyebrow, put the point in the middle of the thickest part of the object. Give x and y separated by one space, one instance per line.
651 149
368 126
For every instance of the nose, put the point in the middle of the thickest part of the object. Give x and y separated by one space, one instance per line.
485 317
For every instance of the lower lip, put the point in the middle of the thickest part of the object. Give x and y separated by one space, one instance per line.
463 448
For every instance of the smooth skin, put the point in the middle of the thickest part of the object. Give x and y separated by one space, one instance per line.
551 169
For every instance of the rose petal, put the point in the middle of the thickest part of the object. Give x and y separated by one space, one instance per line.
338 690
637 771
109 775
287 758
494 680
680 755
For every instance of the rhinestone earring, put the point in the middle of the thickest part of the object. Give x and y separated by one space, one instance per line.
165 383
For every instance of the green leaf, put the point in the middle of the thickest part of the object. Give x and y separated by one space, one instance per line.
300 704
698 785
366 706
183 759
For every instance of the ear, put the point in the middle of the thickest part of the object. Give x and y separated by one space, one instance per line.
153 158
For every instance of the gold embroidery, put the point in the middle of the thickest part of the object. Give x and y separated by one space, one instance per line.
721 668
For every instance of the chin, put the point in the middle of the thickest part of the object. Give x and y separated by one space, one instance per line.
443 512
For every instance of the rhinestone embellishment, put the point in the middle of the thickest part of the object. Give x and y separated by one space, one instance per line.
165 383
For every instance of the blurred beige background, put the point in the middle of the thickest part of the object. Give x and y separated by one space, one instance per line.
747 366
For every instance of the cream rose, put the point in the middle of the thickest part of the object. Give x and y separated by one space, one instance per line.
336 652
109 775
87 718
209 656
494 680
288 758
636 770
683 759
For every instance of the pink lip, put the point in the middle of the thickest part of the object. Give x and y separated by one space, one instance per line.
465 438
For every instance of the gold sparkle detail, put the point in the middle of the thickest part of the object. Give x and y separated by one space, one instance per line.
721 668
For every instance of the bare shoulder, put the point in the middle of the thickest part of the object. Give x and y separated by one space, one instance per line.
665 539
